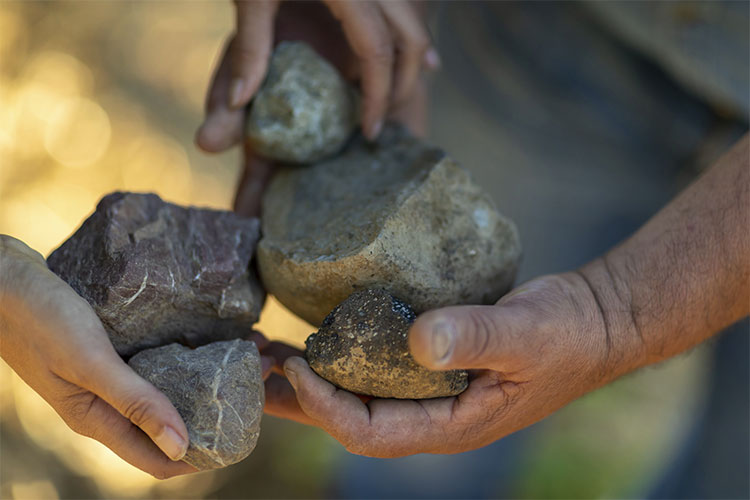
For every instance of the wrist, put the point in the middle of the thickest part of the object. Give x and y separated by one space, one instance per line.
607 285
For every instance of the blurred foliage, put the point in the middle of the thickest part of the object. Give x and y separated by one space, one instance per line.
97 97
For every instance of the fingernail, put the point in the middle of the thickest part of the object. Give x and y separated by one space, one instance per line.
171 443
375 132
443 339
291 376
432 59
235 92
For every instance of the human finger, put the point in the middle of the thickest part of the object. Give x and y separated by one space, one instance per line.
252 49
383 428
256 174
137 400
281 401
472 337
412 43
371 41
92 417
223 125
280 353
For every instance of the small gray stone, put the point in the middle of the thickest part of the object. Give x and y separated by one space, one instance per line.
397 214
304 110
157 273
218 391
363 347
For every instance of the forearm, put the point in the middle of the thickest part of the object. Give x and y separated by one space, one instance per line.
685 275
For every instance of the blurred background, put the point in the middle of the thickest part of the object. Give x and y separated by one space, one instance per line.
97 97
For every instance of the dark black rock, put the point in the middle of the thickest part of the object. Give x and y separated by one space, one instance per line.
362 346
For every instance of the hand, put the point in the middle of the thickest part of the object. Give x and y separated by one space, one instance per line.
384 44
540 347
55 342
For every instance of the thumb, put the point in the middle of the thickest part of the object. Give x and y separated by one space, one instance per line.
140 402
468 337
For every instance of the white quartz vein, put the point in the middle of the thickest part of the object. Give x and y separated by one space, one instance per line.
135 296
214 396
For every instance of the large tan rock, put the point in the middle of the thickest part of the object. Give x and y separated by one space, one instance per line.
398 215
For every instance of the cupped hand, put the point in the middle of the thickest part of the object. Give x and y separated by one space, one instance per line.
382 44
540 347
55 342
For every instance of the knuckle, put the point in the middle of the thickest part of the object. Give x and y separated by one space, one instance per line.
482 330
379 52
76 411
417 44
139 411
358 442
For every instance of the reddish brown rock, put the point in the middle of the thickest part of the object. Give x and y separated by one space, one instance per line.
158 273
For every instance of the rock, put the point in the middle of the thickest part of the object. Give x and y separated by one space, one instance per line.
363 347
399 215
157 273
217 389
304 110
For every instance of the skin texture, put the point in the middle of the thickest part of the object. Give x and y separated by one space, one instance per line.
681 278
55 342
383 45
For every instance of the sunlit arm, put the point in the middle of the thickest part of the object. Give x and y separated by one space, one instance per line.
685 275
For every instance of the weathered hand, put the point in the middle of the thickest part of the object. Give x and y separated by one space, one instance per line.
55 342
540 347
382 44
678 280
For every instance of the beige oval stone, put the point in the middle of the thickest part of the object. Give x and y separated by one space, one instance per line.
398 215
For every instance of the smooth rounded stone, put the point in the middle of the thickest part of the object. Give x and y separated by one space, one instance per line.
363 347
304 110
158 273
218 391
399 215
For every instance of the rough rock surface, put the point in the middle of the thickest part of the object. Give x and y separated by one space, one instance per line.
217 389
304 111
363 347
398 215
157 273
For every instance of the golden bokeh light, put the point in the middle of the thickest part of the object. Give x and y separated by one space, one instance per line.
77 133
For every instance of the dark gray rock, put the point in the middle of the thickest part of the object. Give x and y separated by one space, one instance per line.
398 214
157 273
304 110
363 347
218 391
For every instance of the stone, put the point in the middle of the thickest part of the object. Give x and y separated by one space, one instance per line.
397 214
304 111
362 346
156 273
218 391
